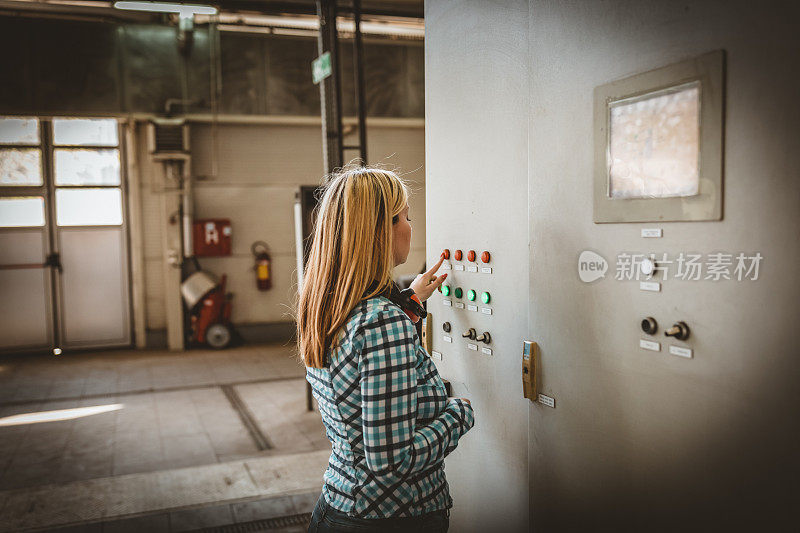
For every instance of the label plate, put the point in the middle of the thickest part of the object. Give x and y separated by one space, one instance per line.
547 400
650 345
681 351
486 310
471 307
473 347
447 338
447 303
436 355
650 286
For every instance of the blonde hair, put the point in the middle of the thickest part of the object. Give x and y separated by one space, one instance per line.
352 248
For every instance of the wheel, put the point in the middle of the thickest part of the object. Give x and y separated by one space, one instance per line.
218 335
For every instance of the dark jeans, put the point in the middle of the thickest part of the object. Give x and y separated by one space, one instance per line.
327 519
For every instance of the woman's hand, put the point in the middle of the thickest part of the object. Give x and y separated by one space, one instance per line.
427 282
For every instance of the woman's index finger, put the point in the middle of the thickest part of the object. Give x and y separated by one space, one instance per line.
437 265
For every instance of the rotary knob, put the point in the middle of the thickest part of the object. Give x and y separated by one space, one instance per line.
649 325
446 327
470 334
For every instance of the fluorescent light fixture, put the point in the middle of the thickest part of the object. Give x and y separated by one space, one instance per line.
183 10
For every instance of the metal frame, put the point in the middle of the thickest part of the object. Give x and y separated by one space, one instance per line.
709 71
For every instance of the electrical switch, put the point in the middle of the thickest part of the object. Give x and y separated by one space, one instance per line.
470 334
679 330
471 295
486 257
446 327
484 338
458 292
486 297
446 253
445 289
471 255
457 255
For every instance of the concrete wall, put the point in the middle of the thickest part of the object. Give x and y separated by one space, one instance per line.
476 150
653 441
638 440
259 169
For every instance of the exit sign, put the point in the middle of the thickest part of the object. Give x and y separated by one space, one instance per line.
321 67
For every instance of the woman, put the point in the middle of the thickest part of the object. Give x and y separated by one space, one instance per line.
382 401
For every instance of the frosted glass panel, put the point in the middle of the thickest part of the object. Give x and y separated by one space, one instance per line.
20 166
19 131
654 144
88 207
95 132
87 167
21 212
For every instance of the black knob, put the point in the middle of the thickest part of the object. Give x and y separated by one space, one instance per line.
649 325
484 338
679 330
470 334
446 327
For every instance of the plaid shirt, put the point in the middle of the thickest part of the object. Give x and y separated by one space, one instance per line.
388 418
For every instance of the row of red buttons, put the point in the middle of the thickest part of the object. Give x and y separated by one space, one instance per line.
485 256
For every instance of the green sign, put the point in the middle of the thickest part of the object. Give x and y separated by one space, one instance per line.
321 67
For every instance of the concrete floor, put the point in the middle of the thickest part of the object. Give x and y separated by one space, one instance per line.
174 425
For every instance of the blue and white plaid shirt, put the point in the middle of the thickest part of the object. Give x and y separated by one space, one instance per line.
388 418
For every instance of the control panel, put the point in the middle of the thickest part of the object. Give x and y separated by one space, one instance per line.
461 318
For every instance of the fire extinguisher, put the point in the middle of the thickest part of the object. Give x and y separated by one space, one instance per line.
262 266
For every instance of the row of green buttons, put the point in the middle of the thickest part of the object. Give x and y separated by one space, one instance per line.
471 294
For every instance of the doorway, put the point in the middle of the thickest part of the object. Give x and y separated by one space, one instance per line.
63 235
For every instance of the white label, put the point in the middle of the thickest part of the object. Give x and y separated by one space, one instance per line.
447 303
447 266
652 233
458 267
486 310
447 338
472 307
473 347
650 345
487 351
681 351
547 400
486 270
436 355
472 268
459 305
650 286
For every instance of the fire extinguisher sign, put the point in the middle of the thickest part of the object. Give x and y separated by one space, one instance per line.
212 237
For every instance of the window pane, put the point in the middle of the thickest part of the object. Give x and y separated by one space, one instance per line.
78 131
654 144
22 211
87 167
88 207
20 166
19 131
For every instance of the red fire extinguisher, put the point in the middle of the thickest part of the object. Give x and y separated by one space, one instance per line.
262 266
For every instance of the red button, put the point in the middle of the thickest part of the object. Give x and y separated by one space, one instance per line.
485 257
458 255
471 255
446 253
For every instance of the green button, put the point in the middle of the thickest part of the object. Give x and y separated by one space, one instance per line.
471 295
486 297
458 292
445 290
